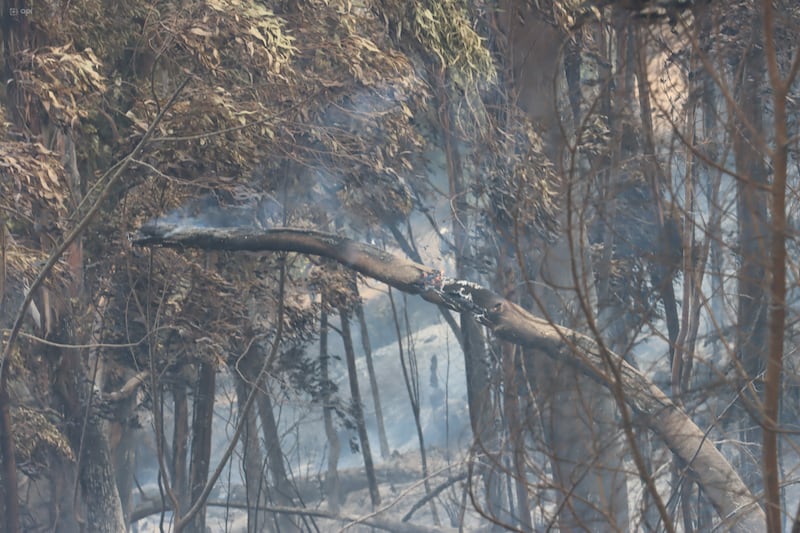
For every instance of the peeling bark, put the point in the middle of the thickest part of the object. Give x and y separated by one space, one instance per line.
725 489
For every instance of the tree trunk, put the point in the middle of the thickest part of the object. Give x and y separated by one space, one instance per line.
751 213
98 483
201 439
358 409
516 435
479 399
124 460
580 417
411 380
780 226
180 446
373 381
252 461
272 441
332 491
9 484
280 490
86 436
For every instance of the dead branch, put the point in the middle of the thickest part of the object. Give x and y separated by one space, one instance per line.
508 321
452 480
128 388
155 507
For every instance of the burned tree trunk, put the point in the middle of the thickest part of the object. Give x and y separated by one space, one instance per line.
84 429
201 439
725 489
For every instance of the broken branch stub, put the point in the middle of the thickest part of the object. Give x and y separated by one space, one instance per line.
508 321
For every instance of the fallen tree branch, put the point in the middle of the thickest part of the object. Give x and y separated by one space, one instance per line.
731 498
156 507
452 480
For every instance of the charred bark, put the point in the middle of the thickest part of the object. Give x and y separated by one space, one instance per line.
201 440
729 495
84 429
180 445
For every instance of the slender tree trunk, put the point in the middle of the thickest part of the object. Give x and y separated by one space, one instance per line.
281 487
9 486
411 379
777 287
506 284
180 446
373 381
710 138
269 427
357 406
516 435
751 207
332 491
281 490
481 407
124 457
201 439
252 462
9 506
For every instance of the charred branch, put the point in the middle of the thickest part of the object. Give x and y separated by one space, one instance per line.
508 321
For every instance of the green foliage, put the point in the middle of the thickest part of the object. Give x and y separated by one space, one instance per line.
444 30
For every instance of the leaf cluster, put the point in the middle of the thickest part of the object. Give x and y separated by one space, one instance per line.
66 83
32 180
37 439
444 30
